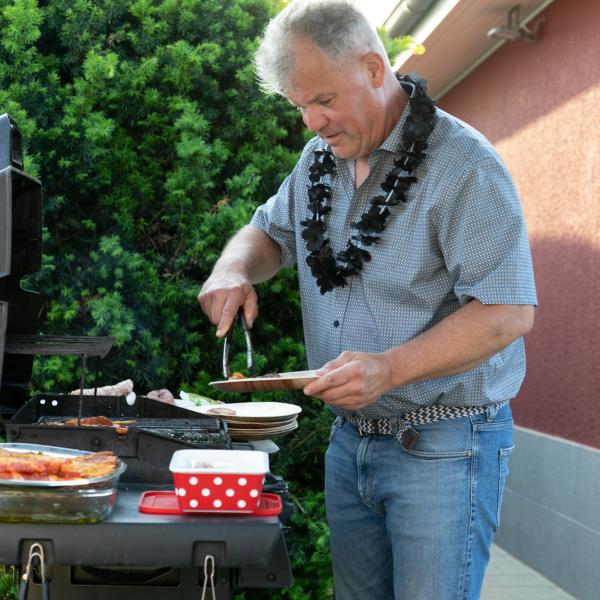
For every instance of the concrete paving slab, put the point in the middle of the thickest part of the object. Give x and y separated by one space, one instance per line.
509 579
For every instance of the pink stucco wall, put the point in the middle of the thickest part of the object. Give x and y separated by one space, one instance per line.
540 106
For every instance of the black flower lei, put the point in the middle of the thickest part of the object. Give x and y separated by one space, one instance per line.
332 270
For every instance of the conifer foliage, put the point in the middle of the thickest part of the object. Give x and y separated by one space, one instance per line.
154 144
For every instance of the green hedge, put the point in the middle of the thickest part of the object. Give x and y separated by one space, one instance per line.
154 145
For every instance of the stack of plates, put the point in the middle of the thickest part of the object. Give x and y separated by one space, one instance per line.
248 421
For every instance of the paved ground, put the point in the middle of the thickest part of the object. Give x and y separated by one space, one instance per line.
509 579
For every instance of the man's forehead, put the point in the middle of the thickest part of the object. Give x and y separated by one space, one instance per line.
299 97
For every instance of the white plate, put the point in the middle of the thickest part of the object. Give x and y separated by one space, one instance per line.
234 423
293 380
264 434
253 410
267 429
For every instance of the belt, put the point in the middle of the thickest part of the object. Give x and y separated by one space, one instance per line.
401 427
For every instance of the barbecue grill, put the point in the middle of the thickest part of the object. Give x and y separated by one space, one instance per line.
130 555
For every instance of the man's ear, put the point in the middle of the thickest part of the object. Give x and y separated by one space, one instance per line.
375 68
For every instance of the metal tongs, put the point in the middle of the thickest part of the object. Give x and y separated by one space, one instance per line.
227 346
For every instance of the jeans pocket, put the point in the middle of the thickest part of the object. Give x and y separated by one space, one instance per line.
503 457
443 440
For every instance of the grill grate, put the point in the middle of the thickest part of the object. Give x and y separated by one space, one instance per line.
136 423
182 430
59 345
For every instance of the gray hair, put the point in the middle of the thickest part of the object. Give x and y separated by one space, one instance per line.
337 27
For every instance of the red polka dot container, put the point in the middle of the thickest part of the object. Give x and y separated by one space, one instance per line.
219 480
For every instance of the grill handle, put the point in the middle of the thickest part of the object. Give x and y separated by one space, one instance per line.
209 575
36 552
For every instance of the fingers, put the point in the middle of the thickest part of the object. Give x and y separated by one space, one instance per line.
211 303
228 313
329 382
353 380
220 300
250 307
349 395
247 299
344 358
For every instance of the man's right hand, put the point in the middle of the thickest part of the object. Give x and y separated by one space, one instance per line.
249 256
222 295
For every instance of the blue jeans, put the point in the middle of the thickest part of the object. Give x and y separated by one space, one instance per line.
416 524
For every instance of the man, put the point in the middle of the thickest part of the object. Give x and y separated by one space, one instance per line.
416 285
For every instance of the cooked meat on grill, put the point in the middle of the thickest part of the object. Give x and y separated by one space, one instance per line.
98 421
36 466
119 389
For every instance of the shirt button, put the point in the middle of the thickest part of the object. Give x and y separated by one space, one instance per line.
336 323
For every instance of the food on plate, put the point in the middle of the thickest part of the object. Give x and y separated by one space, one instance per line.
197 399
163 395
119 389
37 466
237 375
221 410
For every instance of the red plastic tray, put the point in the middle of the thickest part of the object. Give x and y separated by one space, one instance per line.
165 503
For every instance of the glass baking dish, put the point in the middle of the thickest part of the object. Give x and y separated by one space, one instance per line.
72 501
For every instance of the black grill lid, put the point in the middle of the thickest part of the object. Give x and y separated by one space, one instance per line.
20 255
11 147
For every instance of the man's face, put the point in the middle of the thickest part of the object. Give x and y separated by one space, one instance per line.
338 102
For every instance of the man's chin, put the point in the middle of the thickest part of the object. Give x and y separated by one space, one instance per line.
340 151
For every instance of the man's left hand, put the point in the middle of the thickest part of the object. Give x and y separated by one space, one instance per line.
353 380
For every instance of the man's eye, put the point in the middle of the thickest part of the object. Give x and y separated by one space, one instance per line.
326 102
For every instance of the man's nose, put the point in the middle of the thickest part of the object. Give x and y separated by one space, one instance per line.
314 119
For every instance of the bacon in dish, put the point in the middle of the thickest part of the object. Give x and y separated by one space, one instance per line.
37 466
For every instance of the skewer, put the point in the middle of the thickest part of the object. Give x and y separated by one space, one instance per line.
81 388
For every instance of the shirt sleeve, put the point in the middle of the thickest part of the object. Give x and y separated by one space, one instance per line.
276 218
483 238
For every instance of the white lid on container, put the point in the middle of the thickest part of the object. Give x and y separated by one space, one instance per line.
219 461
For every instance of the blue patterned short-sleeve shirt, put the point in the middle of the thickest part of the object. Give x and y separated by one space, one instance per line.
460 236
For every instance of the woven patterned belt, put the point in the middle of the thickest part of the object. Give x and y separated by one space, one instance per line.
401 427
